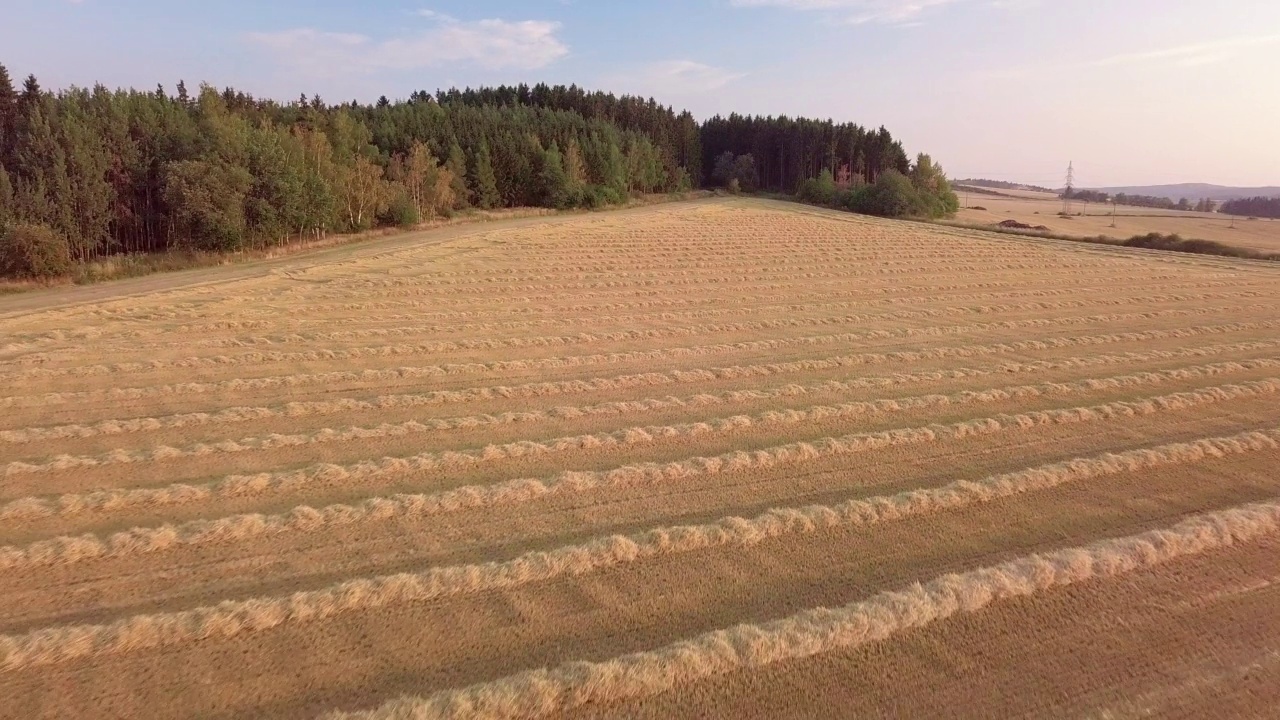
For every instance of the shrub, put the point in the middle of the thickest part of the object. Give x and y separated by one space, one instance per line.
737 173
401 212
598 196
820 190
34 252
853 198
892 195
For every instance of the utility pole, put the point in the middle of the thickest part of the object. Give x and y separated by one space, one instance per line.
1113 212
1070 189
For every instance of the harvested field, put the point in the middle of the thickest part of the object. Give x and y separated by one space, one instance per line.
729 458
1093 219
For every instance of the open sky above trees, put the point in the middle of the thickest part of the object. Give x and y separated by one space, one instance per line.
1009 89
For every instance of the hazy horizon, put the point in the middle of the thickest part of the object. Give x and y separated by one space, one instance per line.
1144 94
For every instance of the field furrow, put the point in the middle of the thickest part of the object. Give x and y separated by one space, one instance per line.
727 458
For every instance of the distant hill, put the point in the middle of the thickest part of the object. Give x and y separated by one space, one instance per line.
1001 185
1194 191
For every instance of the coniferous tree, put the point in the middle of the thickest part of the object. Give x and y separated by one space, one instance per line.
8 116
42 187
485 190
89 192
6 199
135 171
554 181
575 167
457 167
31 93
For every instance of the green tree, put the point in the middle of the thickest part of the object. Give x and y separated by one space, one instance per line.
319 201
89 191
420 171
575 168
744 171
33 252
892 195
6 198
31 94
457 167
363 193
207 200
42 186
485 190
554 181
8 116
932 188
820 190
274 205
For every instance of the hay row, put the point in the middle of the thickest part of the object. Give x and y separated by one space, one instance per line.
119 426
544 692
358 475
584 338
573 361
632 435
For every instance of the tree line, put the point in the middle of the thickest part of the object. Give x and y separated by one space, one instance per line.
1002 185
1267 207
1148 201
91 173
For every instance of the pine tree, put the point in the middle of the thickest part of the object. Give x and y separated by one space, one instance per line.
31 93
575 169
41 186
8 116
485 190
6 199
88 161
553 180
457 167
615 175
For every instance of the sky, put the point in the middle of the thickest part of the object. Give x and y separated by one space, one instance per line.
1130 91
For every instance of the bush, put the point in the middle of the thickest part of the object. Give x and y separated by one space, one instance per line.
401 212
33 252
820 190
892 195
598 196
853 198
681 182
736 173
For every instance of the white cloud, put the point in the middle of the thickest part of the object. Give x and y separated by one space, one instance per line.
673 78
491 44
1193 54
858 12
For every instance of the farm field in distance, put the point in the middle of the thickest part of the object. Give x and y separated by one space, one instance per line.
721 459
1037 208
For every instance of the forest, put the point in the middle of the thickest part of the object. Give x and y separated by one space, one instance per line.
1267 207
87 174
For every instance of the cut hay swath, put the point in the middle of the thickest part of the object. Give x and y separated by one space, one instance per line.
582 463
